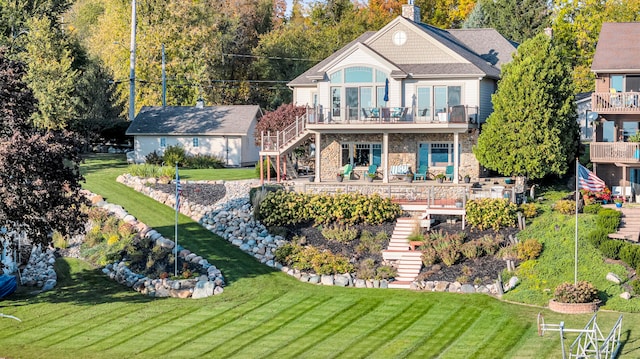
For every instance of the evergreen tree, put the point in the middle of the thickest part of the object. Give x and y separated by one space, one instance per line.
532 131
517 20
477 18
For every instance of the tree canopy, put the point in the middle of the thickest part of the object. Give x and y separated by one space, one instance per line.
40 178
532 131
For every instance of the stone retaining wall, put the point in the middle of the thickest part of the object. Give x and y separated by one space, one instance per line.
232 219
206 285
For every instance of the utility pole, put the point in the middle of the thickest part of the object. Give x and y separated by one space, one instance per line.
164 80
132 64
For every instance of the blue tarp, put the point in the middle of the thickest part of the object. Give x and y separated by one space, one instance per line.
8 285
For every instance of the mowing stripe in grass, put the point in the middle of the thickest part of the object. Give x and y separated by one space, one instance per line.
240 326
50 316
40 331
110 334
215 319
445 334
422 327
404 320
478 336
532 346
84 324
297 336
281 319
366 334
510 340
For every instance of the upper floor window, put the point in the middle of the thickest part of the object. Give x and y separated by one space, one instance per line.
626 83
336 77
358 74
163 142
196 142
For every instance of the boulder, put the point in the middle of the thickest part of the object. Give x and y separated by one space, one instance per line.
625 295
612 277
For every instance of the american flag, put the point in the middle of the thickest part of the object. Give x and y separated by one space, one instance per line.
178 190
589 181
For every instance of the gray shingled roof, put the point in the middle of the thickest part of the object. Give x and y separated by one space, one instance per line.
305 78
189 120
618 48
488 43
485 49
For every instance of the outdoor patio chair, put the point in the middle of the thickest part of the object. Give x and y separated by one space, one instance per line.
421 173
346 171
373 169
449 173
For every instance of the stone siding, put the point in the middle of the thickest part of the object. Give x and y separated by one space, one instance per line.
403 149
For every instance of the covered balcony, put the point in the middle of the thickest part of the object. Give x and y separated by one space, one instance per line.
615 152
615 102
459 114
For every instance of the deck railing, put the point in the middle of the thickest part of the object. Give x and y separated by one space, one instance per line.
612 152
367 115
279 140
619 102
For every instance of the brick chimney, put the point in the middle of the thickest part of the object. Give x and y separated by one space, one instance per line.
411 12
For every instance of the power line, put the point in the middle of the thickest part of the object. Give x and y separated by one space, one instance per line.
272 57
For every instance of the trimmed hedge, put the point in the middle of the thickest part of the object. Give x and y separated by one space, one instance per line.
289 208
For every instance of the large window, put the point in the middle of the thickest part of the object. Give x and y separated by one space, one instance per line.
163 142
436 154
365 90
628 83
432 100
362 154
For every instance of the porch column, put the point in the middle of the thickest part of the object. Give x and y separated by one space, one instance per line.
456 162
385 157
278 177
268 168
261 170
318 149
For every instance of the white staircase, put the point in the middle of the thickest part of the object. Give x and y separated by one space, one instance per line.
408 263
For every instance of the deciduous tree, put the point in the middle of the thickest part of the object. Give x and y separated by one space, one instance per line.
40 179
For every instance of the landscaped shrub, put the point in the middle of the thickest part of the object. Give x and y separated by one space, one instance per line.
151 171
429 255
257 195
597 236
635 286
203 161
340 234
289 208
630 254
272 170
529 249
491 244
565 206
366 269
492 213
309 258
447 246
471 249
610 248
153 158
370 243
529 210
173 155
608 219
593 208
581 292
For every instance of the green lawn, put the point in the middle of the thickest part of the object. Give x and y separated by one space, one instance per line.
264 313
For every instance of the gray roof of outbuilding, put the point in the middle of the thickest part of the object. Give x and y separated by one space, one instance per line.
190 120
485 49
618 48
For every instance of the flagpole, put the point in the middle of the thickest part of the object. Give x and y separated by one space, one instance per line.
175 259
575 272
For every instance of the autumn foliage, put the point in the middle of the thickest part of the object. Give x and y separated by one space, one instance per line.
278 119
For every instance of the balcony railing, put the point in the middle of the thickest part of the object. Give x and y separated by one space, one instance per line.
615 152
282 139
620 102
368 115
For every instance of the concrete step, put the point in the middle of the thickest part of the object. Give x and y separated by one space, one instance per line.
396 284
